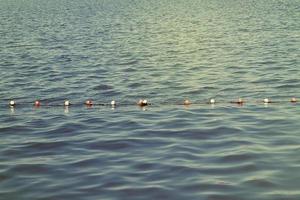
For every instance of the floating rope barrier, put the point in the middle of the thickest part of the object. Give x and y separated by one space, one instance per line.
144 102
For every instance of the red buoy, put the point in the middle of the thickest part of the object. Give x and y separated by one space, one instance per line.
142 102
240 101
88 102
37 103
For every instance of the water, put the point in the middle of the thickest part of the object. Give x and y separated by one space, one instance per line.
164 51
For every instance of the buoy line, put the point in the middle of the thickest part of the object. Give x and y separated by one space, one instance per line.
145 102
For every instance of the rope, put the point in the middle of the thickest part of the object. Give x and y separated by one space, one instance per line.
144 102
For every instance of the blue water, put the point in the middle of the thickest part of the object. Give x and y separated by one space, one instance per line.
164 51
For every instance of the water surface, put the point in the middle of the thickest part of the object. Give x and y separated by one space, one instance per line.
164 51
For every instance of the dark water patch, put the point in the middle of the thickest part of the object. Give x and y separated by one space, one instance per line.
186 171
38 123
260 183
195 134
129 70
224 197
130 62
221 131
64 129
280 196
86 163
103 87
29 169
48 146
114 145
291 85
228 143
138 192
15 129
4 177
146 166
236 158
184 154
243 168
124 144
134 85
218 186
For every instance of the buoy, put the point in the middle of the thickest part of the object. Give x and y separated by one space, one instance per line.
266 100
212 101
293 100
239 101
113 103
187 102
142 102
67 103
89 103
12 103
37 103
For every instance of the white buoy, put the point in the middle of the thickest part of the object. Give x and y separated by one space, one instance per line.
67 103
212 101
187 102
293 100
113 103
266 100
12 103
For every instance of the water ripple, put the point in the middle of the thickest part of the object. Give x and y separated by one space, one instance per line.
166 52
